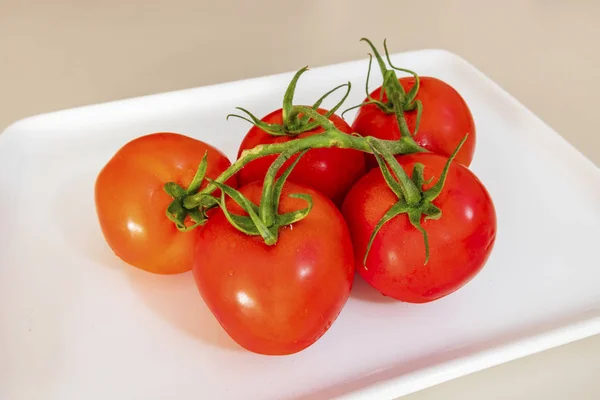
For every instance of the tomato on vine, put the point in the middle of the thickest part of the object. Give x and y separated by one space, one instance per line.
274 265
435 114
131 200
421 238
332 171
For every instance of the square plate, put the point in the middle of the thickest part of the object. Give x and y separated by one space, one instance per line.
77 323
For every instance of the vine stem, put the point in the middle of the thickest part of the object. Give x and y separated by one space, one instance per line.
331 137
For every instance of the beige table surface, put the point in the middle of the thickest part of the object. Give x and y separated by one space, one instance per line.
59 54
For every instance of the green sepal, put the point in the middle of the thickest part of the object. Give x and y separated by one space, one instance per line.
410 192
431 211
417 175
271 129
378 57
241 223
436 189
414 216
399 208
389 179
398 100
290 121
174 190
250 208
305 126
199 176
177 213
295 216
278 187
410 96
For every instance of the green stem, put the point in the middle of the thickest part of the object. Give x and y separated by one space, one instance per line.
411 192
332 137
399 112
266 209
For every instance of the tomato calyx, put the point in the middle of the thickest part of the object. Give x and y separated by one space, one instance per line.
412 199
176 212
293 122
397 100
263 219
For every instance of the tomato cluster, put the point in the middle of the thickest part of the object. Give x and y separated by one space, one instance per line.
274 239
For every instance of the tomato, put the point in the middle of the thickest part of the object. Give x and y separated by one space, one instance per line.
460 241
131 202
331 171
445 120
278 299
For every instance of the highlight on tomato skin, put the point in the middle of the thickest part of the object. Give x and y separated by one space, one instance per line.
460 242
131 203
279 299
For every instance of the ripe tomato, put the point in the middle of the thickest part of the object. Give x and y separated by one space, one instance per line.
278 299
331 171
445 121
131 202
459 242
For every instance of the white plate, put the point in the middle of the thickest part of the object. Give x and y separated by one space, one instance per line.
76 323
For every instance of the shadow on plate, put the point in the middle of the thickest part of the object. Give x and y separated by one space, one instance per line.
362 291
75 218
175 298
452 359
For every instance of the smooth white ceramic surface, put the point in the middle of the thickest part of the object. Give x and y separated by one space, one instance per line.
75 322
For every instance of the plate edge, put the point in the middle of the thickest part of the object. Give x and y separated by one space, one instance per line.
507 351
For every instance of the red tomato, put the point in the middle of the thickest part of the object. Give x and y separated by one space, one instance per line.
459 242
278 299
445 121
131 202
330 171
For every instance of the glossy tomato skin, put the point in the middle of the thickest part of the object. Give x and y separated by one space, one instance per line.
446 119
460 242
131 202
331 171
280 299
